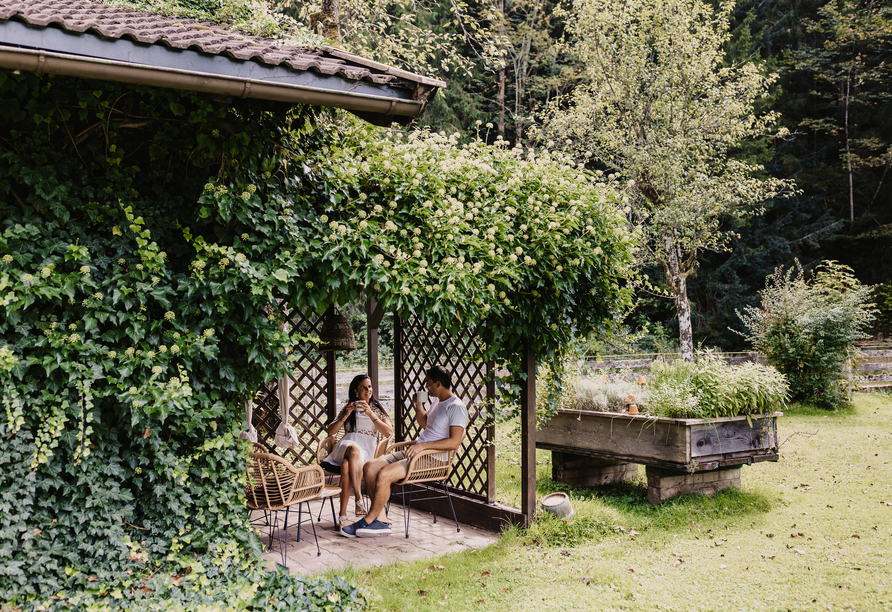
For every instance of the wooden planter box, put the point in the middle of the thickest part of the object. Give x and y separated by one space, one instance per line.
683 445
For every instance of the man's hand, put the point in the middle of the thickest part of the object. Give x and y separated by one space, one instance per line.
414 450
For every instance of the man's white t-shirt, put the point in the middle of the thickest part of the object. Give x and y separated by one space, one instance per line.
441 416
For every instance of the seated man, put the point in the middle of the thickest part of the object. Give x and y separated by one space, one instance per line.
444 427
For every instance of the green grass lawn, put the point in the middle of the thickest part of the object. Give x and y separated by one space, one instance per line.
810 532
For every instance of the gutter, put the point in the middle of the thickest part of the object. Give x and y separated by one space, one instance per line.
46 62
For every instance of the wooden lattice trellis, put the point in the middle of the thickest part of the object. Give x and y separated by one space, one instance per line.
418 347
307 395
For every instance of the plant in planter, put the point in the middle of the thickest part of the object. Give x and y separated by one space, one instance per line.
711 388
600 394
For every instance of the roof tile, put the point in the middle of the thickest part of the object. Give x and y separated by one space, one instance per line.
151 28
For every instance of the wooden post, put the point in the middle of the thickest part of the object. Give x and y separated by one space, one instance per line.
331 384
528 433
371 326
399 418
491 432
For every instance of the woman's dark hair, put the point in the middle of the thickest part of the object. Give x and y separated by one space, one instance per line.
353 396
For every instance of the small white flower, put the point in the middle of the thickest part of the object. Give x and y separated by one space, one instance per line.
324 218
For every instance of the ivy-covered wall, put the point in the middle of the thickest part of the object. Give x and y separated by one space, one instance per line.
144 234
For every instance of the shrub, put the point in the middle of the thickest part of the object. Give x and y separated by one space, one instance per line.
709 388
805 327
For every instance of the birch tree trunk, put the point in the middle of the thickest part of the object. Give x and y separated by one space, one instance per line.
678 283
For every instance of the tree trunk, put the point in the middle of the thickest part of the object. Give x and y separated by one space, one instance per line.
849 154
678 282
500 98
500 101
331 20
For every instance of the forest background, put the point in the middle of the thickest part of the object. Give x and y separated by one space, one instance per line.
505 61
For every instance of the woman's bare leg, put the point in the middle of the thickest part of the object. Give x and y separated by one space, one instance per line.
346 485
355 471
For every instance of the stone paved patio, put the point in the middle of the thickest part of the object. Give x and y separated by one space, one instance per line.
426 539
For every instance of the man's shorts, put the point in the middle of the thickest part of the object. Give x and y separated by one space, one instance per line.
401 458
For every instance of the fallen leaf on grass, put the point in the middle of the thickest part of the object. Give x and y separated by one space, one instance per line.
800 551
855 535
422 594
723 567
485 575
483 601
769 535
436 567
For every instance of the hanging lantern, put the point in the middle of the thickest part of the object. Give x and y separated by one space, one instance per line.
336 334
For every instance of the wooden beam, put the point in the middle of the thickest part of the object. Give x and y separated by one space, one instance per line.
375 313
492 517
371 331
491 432
528 433
399 425
331 384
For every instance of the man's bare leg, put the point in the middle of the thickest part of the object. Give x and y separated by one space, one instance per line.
384 479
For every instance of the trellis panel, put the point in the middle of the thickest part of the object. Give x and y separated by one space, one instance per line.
418 347
308 400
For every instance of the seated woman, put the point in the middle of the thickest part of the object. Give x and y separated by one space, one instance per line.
363 418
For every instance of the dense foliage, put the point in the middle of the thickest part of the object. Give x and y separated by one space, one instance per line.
805 326
658 106
149 239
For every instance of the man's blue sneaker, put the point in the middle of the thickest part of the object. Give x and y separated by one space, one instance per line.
375 529
349 531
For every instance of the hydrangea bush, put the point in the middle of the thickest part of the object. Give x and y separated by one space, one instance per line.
145 236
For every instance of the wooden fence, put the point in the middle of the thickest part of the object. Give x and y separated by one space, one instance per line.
873 367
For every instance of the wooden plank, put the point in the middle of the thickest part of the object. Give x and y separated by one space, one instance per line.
874 378
876 352
617 434
492 517
873 366
528 433
730 437
621 364
631 458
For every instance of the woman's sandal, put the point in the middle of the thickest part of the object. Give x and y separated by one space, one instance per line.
343 520
360 510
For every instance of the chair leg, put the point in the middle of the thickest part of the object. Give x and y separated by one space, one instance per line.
406 508
313 525
321 508
451 507
300 516
334 517
281 545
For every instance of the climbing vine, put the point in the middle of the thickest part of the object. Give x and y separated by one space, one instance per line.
145 234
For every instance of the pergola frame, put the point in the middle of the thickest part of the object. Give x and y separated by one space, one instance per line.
312 400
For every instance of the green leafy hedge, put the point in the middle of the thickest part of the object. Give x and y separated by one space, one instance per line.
144 237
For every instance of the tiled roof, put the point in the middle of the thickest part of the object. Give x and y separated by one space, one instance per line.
152 28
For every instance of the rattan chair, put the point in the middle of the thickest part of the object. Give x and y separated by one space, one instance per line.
274 484
425 468
323 450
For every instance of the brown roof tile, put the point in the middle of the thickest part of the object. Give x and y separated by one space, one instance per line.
151 28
